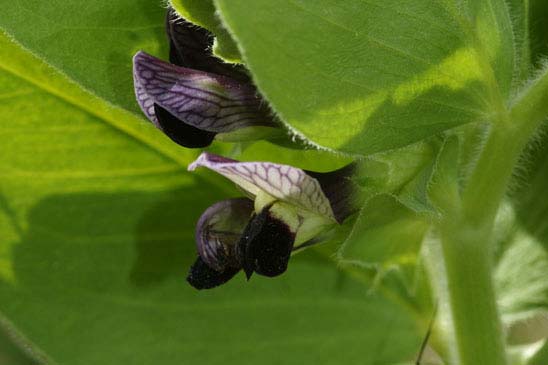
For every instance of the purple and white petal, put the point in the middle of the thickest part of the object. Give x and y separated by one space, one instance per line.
218 232
203 100
284 182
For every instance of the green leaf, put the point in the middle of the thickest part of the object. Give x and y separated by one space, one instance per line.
93 43
523 267
520 278
97 215
387 235
530 354
364 77
403 173
202 13
541 356
443 186
11 347
389 230
308 159
491 24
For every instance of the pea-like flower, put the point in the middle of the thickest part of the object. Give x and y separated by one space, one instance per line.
287 210
197 97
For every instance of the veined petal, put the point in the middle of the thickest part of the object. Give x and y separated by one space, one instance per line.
283 182
191 46
206 101
219 230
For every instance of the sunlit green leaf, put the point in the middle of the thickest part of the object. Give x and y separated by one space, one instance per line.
309 159
93 42
491 23
364 77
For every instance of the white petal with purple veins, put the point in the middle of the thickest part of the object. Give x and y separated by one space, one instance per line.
206 101
304 191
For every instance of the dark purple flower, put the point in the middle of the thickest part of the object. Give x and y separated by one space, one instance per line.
197 96
290 208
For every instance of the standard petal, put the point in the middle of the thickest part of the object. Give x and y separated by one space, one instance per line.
283 182
266 245
201 276
191 45
206 101
219 230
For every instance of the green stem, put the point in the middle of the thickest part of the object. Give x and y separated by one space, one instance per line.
466 232
487 184
477 326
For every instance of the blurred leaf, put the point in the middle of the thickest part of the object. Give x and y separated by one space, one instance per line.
540 357
202 13
531 354
97 217
93 42
372 76
523 268
520 278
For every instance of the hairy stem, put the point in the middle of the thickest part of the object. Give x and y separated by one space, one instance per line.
466 232
477 326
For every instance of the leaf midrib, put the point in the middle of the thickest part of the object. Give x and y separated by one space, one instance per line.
113 116
24 343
